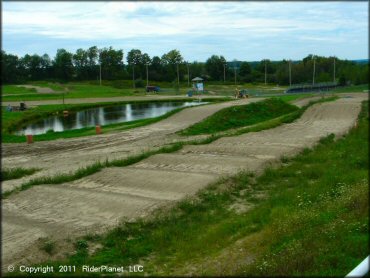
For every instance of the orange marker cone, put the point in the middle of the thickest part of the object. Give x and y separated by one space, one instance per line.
98 129
29 139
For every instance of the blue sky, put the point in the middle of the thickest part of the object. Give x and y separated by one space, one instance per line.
248 31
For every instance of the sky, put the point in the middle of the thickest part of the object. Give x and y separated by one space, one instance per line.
248 31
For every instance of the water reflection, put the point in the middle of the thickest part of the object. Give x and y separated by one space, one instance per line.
103 116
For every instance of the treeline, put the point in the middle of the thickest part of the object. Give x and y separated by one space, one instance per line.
89 64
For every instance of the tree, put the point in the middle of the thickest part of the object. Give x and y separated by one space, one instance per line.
134 57
92 56
81 61
173 57
12 69
245 71
33 66
269 66
156 70
170 62
111 63
63 65
145 60
46 65
215 67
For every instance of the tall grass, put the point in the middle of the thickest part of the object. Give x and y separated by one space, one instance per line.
16 173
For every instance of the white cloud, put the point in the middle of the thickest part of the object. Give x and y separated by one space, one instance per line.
114 20
230 21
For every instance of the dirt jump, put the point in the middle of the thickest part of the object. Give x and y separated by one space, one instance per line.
101 200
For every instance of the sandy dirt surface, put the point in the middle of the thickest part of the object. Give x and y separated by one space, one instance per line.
41 90
103 199
65 155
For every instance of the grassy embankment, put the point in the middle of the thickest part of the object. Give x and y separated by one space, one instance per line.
307 217
243 115
11 121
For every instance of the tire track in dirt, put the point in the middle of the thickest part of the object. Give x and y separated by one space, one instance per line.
66 155
99 201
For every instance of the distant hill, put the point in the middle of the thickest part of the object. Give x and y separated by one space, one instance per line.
253 64
361 61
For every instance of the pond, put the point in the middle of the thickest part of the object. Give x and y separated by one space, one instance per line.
103 116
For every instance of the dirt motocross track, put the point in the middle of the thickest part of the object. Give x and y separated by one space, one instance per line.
100 200
63 156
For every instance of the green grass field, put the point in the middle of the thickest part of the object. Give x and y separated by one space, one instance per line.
307 217
74 91
15 90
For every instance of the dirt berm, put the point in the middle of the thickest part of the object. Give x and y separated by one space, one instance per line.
99 201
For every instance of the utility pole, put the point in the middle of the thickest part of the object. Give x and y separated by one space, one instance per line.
314 68
290 73
100 67
265 72
100 72
235 75
334 71
178 76
188 74
224 72
147 75
133 75
123 61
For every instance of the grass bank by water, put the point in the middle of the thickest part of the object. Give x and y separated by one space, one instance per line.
12 121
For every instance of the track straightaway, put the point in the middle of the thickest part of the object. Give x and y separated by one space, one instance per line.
102 199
